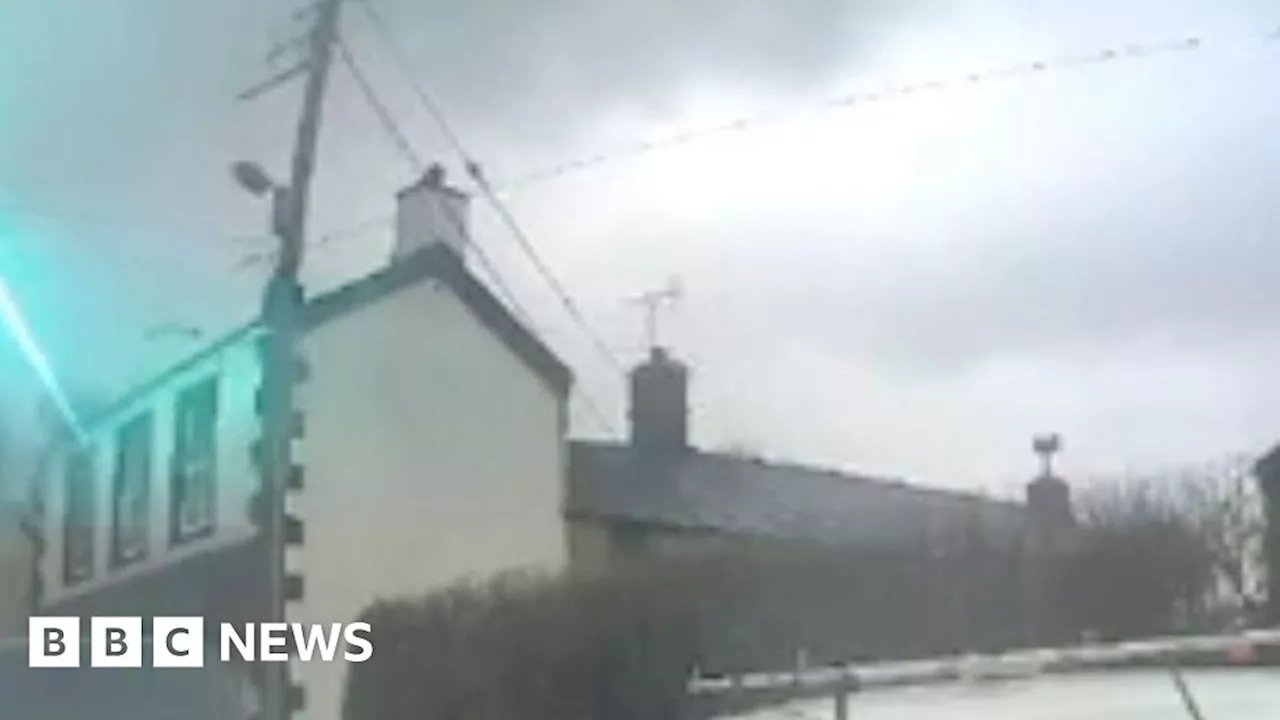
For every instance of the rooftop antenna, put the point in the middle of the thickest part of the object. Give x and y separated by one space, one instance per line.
653 301
173 330
1046 446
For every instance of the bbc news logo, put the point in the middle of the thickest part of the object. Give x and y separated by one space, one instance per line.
179 642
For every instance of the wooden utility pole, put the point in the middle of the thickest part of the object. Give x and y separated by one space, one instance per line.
281 307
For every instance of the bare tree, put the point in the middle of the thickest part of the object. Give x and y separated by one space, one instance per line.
1223 502
1143 565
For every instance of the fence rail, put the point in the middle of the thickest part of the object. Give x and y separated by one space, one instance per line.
839 680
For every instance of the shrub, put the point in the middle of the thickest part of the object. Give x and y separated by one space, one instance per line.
622 645
616 646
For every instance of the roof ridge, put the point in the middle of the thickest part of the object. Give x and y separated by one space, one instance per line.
833 472
187 362
437 260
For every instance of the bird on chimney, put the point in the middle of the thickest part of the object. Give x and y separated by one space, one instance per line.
434 176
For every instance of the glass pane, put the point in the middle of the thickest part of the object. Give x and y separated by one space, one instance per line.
193 462
133 479
80 521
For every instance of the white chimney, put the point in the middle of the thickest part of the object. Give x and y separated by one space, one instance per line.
429 212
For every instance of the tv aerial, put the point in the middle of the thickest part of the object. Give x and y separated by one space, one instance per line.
652 302
1047 446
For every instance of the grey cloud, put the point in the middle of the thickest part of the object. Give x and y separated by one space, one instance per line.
1163 240
535 67
1045 297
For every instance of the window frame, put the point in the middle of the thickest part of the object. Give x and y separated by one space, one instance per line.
79 480
138 429
201 398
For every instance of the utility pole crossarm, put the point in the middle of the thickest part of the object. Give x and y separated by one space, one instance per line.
272 82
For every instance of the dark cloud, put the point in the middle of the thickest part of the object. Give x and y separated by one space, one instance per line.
544 68
1128 210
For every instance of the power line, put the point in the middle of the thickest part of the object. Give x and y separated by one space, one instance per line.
383 114
1133 51
1130 52
437 115
566 300
487 190
887 93
349 232
392 130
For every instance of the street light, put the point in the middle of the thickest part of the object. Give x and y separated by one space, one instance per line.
251 177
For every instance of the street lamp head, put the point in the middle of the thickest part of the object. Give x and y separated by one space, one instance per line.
252 177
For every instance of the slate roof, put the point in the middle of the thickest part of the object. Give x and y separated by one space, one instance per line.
710 491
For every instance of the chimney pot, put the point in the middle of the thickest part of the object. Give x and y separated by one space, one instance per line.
430 212
434 177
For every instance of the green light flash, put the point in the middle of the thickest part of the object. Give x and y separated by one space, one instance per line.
12 318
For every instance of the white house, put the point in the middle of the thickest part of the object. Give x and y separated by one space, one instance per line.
433 449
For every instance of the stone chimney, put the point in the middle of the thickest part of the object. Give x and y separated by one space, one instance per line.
429 212
1051 538
1049 505
660 405
1053 521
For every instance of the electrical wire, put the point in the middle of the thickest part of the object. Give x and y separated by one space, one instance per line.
437 115
380 109
393 131
487 190
886 93
490 192
1132 51
349 232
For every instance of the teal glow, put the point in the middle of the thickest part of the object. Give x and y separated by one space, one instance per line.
11 317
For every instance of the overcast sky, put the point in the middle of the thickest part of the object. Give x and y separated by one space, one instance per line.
912 287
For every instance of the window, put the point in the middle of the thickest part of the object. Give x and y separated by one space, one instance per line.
192 479
131 492
79 526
